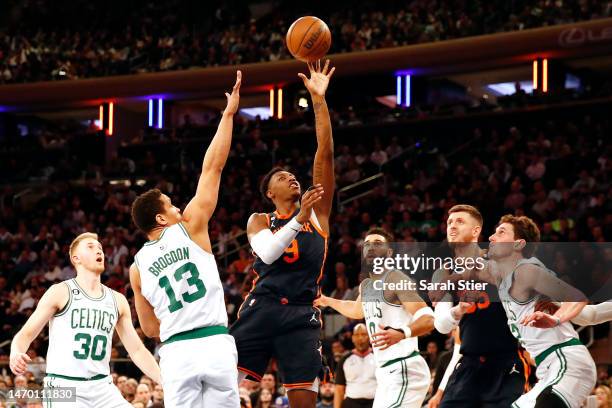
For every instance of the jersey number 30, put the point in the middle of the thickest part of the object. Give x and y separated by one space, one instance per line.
193 279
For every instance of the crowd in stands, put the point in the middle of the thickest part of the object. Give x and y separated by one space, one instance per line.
42 41
557 172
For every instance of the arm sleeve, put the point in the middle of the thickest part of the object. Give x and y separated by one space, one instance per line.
594 314
451 367
443 319
340 378
269 247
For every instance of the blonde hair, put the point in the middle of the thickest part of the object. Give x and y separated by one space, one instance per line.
75 243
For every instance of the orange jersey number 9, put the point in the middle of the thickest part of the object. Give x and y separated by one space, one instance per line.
293 252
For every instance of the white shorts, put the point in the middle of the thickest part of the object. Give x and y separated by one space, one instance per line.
89 394
571 373
402 384
200 372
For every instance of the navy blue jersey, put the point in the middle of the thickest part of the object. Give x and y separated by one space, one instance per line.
484 330
296 274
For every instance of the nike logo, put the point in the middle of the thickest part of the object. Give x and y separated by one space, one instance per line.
391 372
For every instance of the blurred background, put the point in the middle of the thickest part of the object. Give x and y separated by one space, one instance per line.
504 105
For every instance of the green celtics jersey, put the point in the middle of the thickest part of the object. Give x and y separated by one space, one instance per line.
81 334
181 282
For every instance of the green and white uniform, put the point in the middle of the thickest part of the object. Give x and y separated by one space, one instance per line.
563 362
80 342
198 360
402 374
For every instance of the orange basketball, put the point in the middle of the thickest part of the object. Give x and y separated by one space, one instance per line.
308 38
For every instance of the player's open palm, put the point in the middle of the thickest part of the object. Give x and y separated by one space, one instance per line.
319 78
19 363
233 99
309 199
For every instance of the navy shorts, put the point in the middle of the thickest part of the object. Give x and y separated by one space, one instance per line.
272 328
486 382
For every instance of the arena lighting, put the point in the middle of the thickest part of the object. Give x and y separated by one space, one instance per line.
272 102
407 99
280 103
398 89
150 112
111 108
545 75
535 74
101 117
160 113
303 102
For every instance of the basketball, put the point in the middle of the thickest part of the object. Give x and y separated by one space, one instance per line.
308 38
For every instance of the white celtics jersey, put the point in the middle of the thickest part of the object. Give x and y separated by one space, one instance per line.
181 281
81 334
534 340
377 310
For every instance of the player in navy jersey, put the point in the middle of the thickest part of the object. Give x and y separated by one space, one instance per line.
277 318
493 371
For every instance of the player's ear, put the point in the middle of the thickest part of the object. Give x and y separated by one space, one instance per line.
269 194
161 219
75 259
519 244
476 231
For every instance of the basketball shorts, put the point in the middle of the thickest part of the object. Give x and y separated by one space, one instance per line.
200 372
89 393
402 384
571 373
494 381
268 328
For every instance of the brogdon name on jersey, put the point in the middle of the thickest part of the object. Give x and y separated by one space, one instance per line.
181 279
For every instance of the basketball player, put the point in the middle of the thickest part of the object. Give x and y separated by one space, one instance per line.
565 369
177 289
395 319
277 318
82 315
492 371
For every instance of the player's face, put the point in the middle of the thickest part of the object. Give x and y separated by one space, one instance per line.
360 339
172 215
461 227
375 246
283 185
501 242
90 255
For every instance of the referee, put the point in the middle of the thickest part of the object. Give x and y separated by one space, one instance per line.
355 376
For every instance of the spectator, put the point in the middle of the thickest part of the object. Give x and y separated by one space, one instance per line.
326 395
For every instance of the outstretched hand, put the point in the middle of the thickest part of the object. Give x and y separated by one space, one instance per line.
319 78
234 98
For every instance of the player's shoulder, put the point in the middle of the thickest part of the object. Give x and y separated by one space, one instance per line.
257 216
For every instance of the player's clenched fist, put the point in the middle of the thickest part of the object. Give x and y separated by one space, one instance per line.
19 363
322 301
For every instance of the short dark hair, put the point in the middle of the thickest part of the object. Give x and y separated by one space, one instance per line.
382 232
524 228
145 208
470 209
265 182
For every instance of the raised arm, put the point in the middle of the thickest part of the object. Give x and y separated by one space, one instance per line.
146 316
323 169
201 207
132 343
50 303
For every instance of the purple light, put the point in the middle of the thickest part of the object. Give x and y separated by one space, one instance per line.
160 113
150 112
